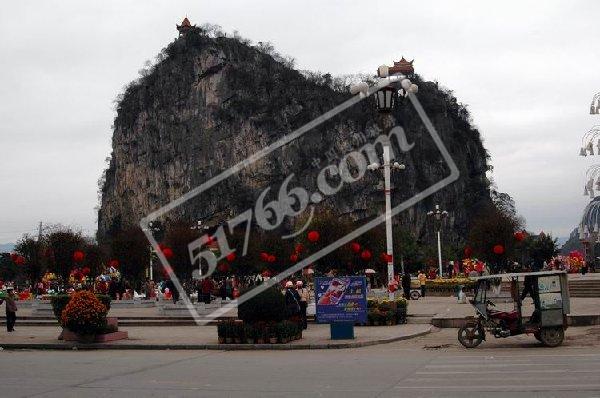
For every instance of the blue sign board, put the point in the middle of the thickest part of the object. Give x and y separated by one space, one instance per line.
341 299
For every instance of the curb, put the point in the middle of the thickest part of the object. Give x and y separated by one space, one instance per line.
222 347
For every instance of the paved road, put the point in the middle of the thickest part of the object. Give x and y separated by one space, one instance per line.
432 365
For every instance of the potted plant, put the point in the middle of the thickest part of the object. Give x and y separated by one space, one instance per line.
238 331
390 318
260 333
84 315
249 334
221 331
273 334
229 332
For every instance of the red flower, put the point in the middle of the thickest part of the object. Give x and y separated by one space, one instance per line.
271 259
264 256
299 248
355 247
294 258
113 263
231 257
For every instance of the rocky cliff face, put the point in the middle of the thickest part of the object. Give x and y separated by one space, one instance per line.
211 102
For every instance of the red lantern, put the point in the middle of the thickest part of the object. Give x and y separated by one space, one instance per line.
114 263
366 255
78 256
294 258
519 236
386 258
468 252
223 267
231 257
355 247
20 260
271 259
498 249
86 271
264 256
313 236
167 252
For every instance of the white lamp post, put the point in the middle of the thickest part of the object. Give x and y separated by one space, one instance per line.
387 167
386 98
153 228
438 216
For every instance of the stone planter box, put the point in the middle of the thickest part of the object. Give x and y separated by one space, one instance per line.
67 335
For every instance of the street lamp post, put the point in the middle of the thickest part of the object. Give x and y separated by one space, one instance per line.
386 98
200 227
387 166
438 216
153 228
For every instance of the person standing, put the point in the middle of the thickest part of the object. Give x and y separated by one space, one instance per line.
206 288
11 309
422 280
406 285
292 300
303 293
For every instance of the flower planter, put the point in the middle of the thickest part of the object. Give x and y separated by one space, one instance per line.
237 340
273 340
260 341
67 335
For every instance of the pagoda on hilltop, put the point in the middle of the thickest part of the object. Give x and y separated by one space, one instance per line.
403 66
184 27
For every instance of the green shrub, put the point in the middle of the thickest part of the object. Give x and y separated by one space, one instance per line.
268 306
59 302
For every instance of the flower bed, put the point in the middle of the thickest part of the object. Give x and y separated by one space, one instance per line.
448 287
239 332
386 312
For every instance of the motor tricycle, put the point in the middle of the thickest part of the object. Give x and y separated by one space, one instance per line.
548 322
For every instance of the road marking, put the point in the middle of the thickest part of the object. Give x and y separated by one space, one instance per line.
519 356
499 365
543 387
460 372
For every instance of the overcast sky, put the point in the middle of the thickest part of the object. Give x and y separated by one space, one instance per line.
527 70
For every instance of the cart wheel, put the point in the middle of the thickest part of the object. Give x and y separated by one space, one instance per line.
552 337
470 336
415 295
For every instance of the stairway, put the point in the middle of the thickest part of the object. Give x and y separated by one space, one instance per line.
584 287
